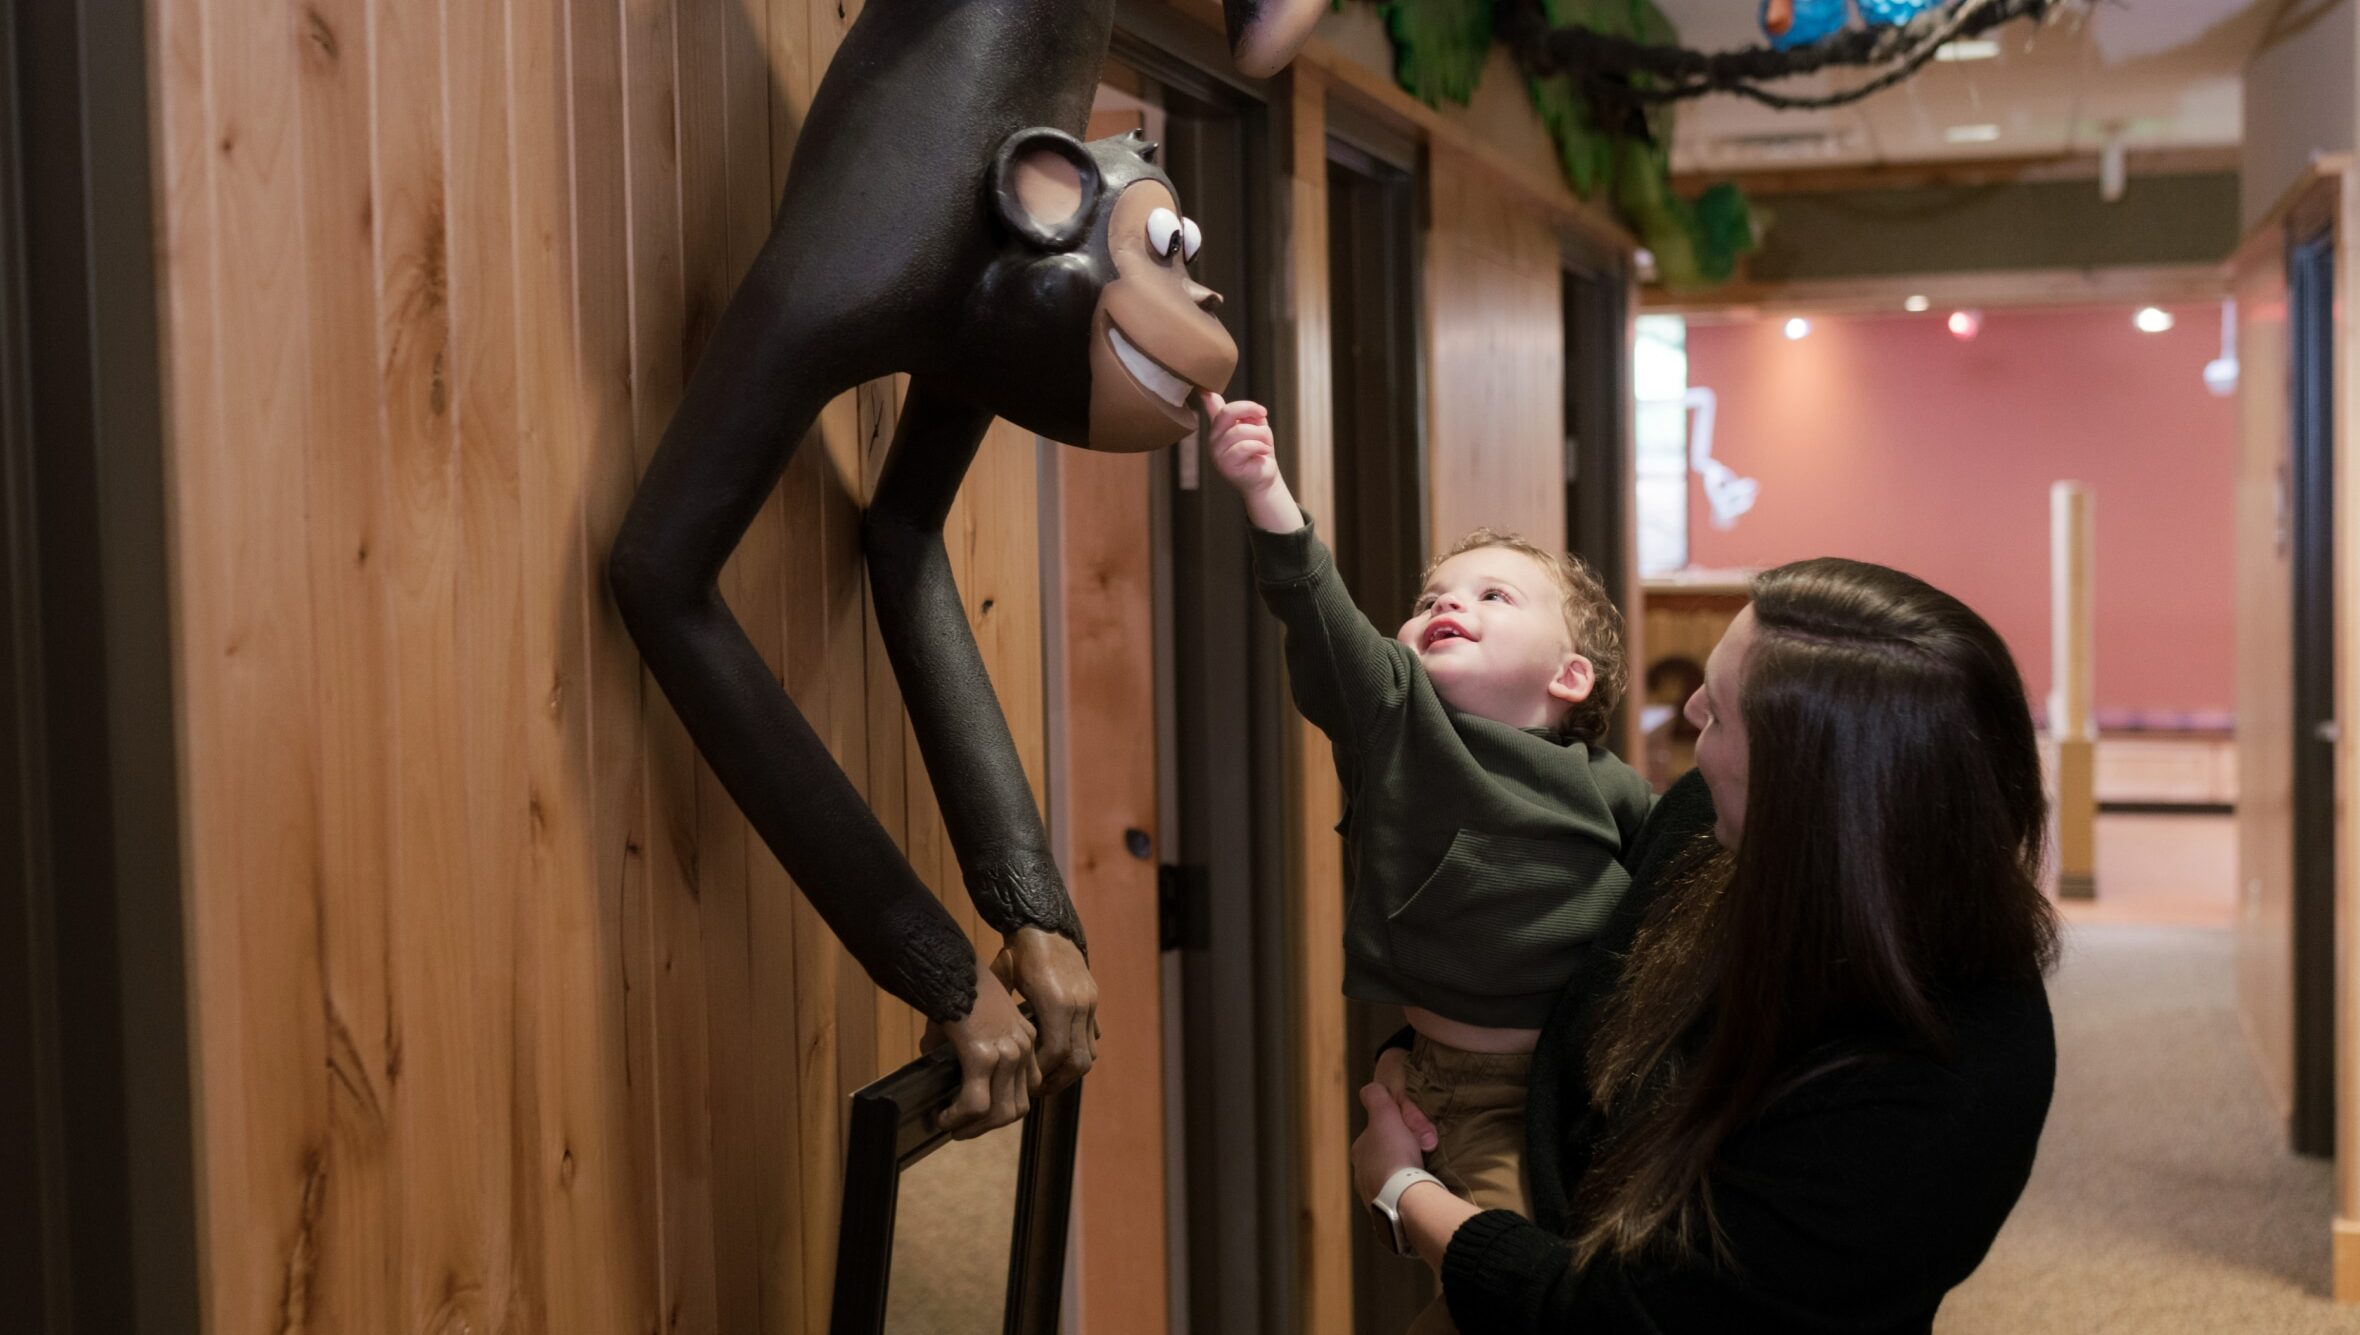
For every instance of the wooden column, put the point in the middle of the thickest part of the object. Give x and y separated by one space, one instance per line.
2073 645
2345 1229
1315 879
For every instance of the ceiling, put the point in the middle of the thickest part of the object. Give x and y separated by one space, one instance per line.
2164 73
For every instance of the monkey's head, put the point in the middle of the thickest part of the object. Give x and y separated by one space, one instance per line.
1086 324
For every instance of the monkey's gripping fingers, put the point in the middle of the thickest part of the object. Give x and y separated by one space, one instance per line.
1051 973
998 1073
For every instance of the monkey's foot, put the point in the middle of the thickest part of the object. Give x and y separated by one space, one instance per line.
1265 34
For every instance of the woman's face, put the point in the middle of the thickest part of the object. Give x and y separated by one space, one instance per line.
1720 727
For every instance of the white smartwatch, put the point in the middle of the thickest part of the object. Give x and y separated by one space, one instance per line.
1387 1206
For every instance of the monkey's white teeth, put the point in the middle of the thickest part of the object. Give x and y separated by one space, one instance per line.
1160 382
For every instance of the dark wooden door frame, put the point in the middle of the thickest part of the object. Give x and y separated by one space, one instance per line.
94 1041
1599 481
1236 1189
2311 280
1375 229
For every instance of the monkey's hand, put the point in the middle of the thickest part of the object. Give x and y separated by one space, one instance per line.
999 1073
1051 973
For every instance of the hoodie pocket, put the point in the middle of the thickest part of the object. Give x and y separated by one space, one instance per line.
1505 915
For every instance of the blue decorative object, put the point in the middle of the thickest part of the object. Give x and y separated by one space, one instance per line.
1885 13
1813 20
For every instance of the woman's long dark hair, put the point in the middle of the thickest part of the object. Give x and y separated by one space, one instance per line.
1891 851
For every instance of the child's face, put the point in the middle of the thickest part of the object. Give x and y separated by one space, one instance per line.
1490 630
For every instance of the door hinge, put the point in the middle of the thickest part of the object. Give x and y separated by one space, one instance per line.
1181 893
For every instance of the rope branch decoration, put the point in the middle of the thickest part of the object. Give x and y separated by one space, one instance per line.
1618 70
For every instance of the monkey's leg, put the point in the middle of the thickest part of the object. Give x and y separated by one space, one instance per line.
755 393
987 807
1265 34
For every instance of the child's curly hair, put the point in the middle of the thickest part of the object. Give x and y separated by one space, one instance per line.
1591 618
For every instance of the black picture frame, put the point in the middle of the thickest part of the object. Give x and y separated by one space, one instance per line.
892 1127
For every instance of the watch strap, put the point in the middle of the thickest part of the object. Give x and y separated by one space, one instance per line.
1388 1203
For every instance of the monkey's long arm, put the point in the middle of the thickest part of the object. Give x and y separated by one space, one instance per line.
764 376
987 805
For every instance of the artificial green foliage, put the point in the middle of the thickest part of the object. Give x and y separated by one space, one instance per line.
1585 151
1439 48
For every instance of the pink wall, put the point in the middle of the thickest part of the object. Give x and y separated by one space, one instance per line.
1888 440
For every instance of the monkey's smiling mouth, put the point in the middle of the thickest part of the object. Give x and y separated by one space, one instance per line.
1147 371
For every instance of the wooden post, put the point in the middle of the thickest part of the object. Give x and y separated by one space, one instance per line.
2073 647
2344 1231
1315 881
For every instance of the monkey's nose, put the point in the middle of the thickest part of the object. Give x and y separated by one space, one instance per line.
1207 299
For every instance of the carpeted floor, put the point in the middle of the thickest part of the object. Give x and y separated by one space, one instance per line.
2163 1199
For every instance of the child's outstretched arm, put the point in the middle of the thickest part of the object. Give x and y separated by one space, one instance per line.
1246 454
1344 674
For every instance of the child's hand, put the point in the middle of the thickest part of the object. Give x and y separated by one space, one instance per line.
1244 451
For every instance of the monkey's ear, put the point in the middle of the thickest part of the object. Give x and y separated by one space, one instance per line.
1045 185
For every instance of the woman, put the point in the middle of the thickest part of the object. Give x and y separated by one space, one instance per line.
1800 1086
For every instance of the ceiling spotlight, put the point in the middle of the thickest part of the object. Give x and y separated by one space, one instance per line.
1964 325
2152 320
1798 327
1968 48
1917 304
1971 134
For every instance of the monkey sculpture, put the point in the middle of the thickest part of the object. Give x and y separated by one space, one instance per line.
942 219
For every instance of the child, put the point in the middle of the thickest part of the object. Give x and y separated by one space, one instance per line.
1482 820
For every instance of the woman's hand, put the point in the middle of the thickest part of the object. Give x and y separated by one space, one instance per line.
1393 1074
1430 1213
1385 1146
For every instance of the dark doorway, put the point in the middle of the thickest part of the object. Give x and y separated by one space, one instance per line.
1598 479
1380 533
2310 282
96 1132
1233 1184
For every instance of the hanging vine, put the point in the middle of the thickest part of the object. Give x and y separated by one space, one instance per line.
1604 75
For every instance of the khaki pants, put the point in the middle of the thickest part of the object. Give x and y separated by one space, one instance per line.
1476 1102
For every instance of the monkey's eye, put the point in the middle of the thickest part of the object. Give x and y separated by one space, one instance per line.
1191 239
1163 232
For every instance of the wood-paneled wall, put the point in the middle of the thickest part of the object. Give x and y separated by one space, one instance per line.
1495 378
503 1021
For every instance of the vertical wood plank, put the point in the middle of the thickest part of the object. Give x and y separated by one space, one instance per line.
587 1168
1495 360
436 1056
488 729
677 794
1109 767
1315 893
627 864
348 506
238 378
706 1114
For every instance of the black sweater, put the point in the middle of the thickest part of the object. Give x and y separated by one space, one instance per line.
1852 1204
